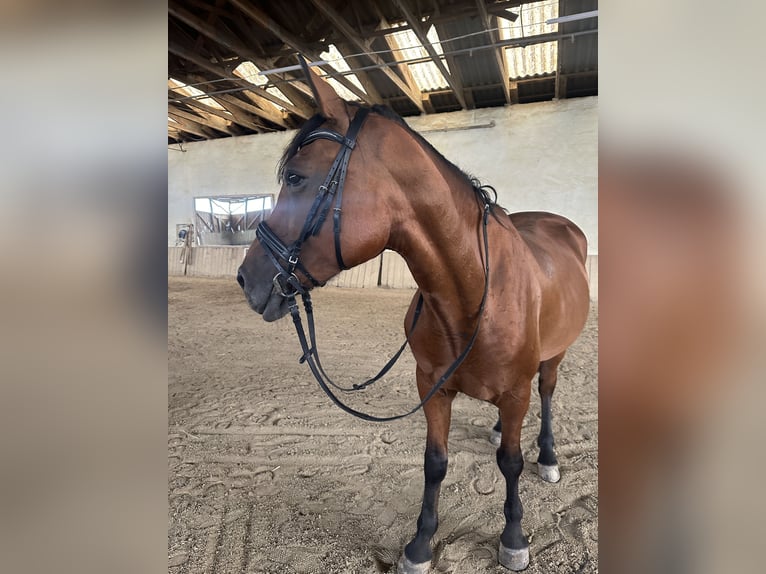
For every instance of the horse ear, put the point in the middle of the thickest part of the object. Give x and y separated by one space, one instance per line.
330 104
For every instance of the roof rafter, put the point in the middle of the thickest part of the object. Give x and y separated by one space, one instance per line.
497 9
189 126
498 53
453 81
226 114
296 44
235 45
403 68
364 45
363 77
238 107
255 91
214 123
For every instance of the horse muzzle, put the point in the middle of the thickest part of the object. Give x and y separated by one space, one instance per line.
266 298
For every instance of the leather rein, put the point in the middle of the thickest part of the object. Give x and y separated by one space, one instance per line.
286 259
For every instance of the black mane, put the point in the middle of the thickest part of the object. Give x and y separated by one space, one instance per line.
485 193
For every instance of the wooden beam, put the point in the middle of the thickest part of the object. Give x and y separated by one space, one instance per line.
239 108
561 83
210 31
214 123
500 66
363 77
353 37
296 44
243 118
212 16
191 127
231 42
445 16
232 100
288 91
404 69
513 92
455 84
273 116
225 114
291 88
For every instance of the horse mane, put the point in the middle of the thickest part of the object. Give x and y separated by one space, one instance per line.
486 194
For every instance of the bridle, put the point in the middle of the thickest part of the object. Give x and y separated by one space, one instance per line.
286 259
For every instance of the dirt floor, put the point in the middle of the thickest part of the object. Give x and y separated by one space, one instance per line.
266 475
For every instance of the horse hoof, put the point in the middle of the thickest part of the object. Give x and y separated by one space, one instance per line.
406 567
513 559
494 437
549 473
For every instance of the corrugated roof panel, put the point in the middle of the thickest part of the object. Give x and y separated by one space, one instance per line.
475 68
535 59
333 57
531 21
426 75
532 60
580 53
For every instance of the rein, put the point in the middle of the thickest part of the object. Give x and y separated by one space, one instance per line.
289 286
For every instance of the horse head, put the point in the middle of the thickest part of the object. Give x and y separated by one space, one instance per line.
332 179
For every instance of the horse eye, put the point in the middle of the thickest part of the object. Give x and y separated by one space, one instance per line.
293 178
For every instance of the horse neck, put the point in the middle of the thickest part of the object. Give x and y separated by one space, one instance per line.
442 243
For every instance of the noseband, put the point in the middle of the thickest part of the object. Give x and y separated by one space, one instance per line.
286 258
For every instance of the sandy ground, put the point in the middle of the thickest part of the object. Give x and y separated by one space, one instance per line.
266 475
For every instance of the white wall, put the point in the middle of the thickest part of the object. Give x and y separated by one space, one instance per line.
541 156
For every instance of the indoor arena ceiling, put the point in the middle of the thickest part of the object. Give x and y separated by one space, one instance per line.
232 63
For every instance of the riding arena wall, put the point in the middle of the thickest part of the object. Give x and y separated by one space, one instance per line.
541 156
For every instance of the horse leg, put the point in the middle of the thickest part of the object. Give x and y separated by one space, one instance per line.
547 464
513 552
494 435
417 555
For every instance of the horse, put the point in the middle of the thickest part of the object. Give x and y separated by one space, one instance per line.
504 294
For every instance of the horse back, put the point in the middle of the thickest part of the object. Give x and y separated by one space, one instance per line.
559 249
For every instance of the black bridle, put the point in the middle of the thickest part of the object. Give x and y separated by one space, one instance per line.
286 259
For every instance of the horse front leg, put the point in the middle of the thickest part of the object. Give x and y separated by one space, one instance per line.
417 555
513 552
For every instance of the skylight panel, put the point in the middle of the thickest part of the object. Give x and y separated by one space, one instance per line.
535 59
333 57
426 75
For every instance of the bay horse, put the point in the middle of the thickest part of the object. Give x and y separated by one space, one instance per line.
505 294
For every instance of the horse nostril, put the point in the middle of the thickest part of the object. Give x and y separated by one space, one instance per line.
240 279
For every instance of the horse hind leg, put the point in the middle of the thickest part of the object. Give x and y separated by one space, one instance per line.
496 432
547 463
417 555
